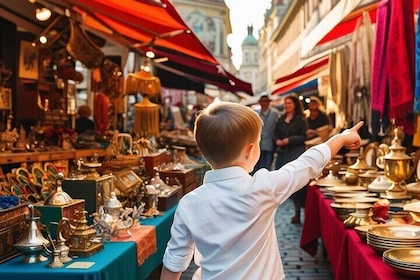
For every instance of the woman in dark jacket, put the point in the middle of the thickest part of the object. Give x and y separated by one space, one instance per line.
289 138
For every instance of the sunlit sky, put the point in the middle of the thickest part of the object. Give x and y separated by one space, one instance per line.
242 14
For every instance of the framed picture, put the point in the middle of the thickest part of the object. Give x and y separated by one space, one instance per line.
126 180
5 98
28 61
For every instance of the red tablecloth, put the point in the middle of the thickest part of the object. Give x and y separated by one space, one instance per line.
350 258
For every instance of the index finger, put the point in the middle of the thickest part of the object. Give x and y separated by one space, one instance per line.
357 126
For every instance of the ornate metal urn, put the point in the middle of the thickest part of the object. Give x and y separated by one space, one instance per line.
33 244
397 166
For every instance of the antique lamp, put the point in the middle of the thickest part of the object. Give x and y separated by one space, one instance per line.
146 113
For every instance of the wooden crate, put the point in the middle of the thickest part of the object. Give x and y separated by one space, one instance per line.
186 178
155 161
12 229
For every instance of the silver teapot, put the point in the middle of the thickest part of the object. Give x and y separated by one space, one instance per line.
33 244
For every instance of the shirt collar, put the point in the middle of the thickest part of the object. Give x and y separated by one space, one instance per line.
224 174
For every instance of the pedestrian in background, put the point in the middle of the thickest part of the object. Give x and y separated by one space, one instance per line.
83 122
290 137
316 118
269 116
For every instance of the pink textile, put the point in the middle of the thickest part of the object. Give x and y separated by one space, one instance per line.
379 83
400 63
392 91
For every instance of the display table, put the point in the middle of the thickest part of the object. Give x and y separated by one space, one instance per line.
116 261
163 233
350 258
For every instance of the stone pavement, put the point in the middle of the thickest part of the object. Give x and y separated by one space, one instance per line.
297 264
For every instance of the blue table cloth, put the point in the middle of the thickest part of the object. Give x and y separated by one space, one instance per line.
116 261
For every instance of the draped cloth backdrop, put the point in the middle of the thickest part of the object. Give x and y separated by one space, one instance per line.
392 89
358 107
416 138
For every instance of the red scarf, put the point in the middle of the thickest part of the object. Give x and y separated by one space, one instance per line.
393 62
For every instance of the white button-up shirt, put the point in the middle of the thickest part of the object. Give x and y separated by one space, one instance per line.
230 219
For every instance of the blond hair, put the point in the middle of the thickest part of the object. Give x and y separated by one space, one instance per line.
223 129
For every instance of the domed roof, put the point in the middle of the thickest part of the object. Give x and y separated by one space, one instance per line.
250 39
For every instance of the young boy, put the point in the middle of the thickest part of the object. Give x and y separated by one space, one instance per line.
229 220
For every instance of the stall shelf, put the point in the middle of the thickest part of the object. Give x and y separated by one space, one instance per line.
118 260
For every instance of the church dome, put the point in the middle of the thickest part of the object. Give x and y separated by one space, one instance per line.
250 39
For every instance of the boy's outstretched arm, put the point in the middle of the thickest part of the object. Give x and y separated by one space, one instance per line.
349 138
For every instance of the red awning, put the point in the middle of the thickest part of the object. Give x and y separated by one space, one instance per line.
301 76
154 24
348 24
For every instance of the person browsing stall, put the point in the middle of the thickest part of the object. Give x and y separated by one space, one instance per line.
269 117
316 117
289 138
83 123
228 221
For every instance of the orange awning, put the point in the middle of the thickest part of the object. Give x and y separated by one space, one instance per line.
155 24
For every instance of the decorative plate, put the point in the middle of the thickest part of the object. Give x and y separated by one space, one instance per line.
354 205
358 199
404 255
38 173
400 232
23 172
346 189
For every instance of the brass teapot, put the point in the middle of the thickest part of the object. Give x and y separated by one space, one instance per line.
81 237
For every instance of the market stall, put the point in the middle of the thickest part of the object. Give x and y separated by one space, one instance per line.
349 256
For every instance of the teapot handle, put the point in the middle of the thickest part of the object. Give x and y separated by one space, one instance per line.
64 228
383 149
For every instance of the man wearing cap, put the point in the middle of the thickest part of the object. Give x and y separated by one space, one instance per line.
269 117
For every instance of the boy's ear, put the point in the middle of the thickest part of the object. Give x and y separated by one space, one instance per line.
248 150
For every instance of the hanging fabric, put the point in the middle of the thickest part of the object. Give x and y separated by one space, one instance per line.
393 66
358 105
82 48
339 64
416 138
